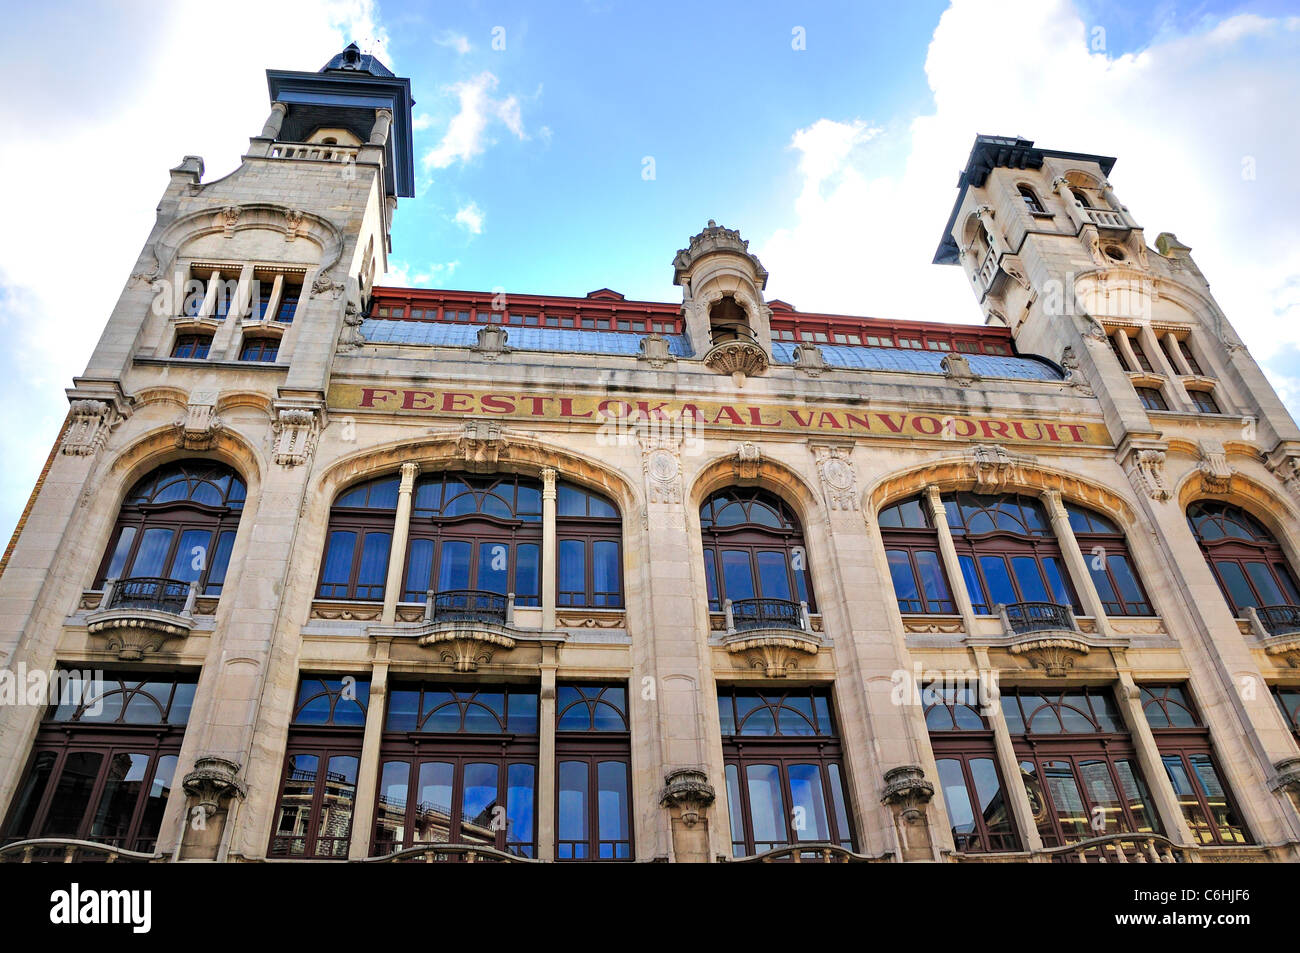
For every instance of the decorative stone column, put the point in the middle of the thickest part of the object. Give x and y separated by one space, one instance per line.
908 793
549 548
687 795
546 768
397 551
948 553
271 129
1076 563
379 131
1129 697
363 805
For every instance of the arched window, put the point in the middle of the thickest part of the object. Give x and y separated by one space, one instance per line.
590 560
1080 198
1103 547
1007 551
729 322
912 547
360 535
178 523
1246 560
753 548
1031 201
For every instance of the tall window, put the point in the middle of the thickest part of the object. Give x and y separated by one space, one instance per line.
319 787
177 523
1007 551
360 535
1288 700
1140 353
972 786
458 766
1078 765
475 532
590 563
912 547
784 769
593 759
1104 549
104 761
1204 401
1246 560
1031 201
753 548
1184 745
1186 350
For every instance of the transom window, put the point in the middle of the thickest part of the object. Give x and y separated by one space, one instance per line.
177 523
784 769
104 761
1184 745
753 548
1246 560
1007 551
593 773
1105 550
915 566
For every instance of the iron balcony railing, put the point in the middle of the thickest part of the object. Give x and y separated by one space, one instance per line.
148 592
744 615
1279 620
1025 617
469 605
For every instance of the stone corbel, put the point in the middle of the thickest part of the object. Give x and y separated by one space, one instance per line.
90 422
213 781
1284 463
293 220
809 359
324 284
229 217
482 445
1216 474
957 369
1146 471
748 459
654 349
491 342
1055 656
907 790
993 466
198 429
295 428
688 791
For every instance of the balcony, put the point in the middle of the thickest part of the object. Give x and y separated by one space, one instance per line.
770 634
468 605
1279 620
1046 633
64 850
1026 617
1105 218
136 616
321 152
735 351
811 853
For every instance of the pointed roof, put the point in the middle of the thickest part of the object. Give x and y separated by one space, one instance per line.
353 60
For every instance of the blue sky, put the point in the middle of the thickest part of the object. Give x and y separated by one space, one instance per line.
837 160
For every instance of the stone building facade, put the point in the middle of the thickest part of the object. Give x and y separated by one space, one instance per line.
356 572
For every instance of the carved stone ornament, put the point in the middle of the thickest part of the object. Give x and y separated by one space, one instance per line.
957 369
198 429
491 342
1146 470
907 789
838 478
481 446
1096 332
1216 474
324 284
131 639
654 349
773 655
293 220
809 359
994 466
687 789
1286 467
466 647
1073 373
229 219
740 359
295 432
1288 776
1054 656
90 422
748 459
350 337
715 239
212 781
661 465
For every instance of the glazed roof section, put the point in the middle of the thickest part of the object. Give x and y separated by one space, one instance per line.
604 322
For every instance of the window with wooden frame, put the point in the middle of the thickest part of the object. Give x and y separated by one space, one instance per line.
593 803
1007 551
1192 363
1078 764
318 788
589 534
915 565
1184 744
753 548
260 347
1032 204
1288 701
784 769
1247 562
1105 550
358 540
104 760
1151 398
177 524
458 765
1140 353
192 346
979 813
1204 401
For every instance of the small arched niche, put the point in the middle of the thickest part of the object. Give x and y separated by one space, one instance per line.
728 321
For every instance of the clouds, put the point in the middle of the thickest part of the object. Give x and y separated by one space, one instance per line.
1186 117
470 217
468 131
